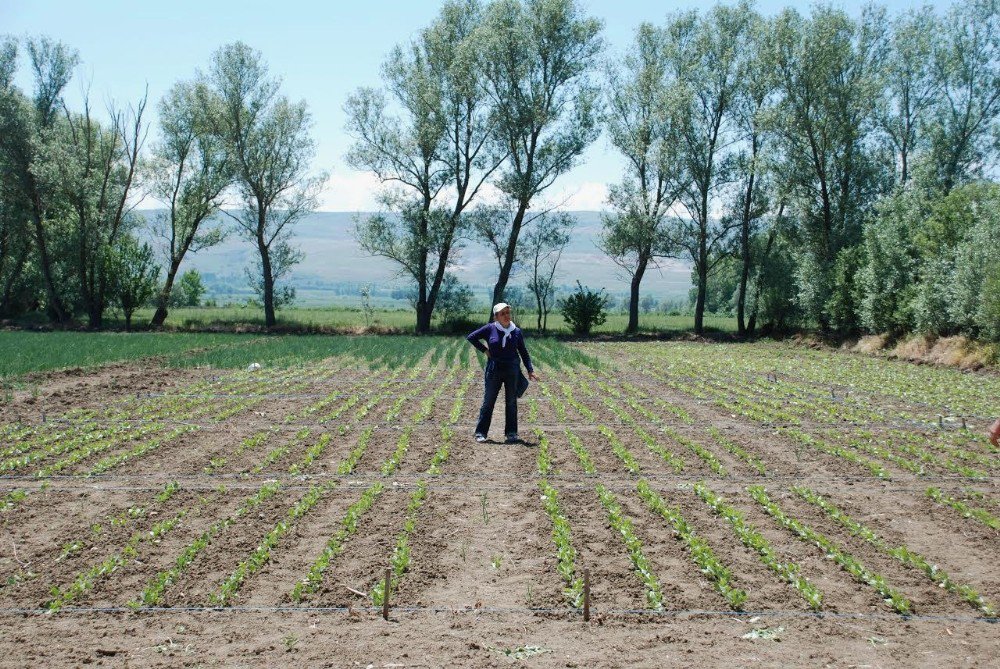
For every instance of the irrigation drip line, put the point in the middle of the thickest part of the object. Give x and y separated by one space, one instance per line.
509 610
461 481
419 382
664 477
868 396
576 426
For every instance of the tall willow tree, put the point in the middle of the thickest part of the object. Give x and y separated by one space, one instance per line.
829 70
16 243
911 87
438 154
752 113
268 143
706 59
24 125
92 168
639 124
537 57
962 130
189 173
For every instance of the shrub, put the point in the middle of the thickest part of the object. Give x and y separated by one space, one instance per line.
454 302
584 309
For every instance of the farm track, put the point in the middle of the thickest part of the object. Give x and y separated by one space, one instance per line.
313 444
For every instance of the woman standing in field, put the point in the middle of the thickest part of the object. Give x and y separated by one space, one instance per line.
504 350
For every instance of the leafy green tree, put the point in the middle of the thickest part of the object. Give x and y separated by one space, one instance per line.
638 118
911 87
890 272
189 172
268 143
456 301
753 117
190 289
24 125
438 154
15 234
962 129
91 168
723 283
134 275
706 58
829 71
536 57
281 258
772 300
583 309
543 247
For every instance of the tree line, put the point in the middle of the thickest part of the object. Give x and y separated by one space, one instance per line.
824 171
70 238
817 170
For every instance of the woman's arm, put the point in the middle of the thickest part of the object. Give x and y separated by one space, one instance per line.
475 336
523 350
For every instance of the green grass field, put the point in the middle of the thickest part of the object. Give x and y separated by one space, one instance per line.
23 352
347 318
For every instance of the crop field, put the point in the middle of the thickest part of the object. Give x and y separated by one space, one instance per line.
707 504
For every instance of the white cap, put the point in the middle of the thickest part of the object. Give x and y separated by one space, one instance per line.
498 307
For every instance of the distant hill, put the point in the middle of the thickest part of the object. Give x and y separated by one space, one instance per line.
334 266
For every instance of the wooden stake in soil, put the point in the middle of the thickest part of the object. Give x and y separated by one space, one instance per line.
586 595
385 596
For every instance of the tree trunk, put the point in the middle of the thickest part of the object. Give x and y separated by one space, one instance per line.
55 305
268 281
538 301
741 299
423 319
759 279
435 288
164 297
128 321
95 316
423 313
8 289
508 260
699 307
633 301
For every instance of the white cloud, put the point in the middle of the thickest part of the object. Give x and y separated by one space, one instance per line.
584 196
350 191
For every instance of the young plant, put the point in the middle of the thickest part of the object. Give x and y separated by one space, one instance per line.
848 562
901 553
643 569
701 553
755 541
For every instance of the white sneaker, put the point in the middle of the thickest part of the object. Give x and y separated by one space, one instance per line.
480 438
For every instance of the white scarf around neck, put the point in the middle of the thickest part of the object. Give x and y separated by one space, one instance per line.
506 331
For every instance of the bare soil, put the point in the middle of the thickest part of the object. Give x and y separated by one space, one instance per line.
482 586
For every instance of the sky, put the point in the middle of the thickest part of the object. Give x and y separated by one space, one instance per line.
322 51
